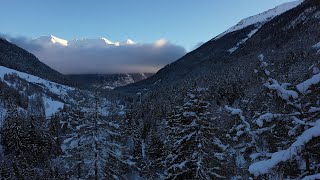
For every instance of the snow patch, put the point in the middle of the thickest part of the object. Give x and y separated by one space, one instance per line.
312 177
243 41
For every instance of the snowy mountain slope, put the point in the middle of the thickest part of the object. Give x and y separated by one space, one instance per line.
54 95
58 89
51 106
261 18
253 35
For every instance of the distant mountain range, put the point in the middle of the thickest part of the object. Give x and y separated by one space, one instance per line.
14 57
79 43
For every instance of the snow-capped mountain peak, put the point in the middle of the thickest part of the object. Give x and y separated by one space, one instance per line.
107 41
57 40
50 40
262 18
83 42
130 42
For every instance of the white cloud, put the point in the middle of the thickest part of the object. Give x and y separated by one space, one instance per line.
160 43
100 56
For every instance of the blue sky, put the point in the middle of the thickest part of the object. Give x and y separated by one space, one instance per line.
182 22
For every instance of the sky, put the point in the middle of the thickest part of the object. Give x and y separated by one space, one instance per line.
181 23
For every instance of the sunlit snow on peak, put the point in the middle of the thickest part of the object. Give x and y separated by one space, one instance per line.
60 41
130 42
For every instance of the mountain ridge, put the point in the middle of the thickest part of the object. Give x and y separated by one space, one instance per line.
214 52
12 56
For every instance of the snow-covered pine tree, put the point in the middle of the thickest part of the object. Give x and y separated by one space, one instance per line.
287 133
240 141
13 132
154 153
28 148
86 145
191 135
292 133
133 128
95 148
73 147
118 160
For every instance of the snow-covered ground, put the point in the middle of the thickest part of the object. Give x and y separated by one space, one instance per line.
51 106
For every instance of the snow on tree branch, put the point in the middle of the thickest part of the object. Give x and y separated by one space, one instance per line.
239 112
268 117
281 90
305 86
263 167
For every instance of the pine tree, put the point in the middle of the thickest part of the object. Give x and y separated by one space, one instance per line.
191 135
94 149
14 134
73 148
27 146
36 106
